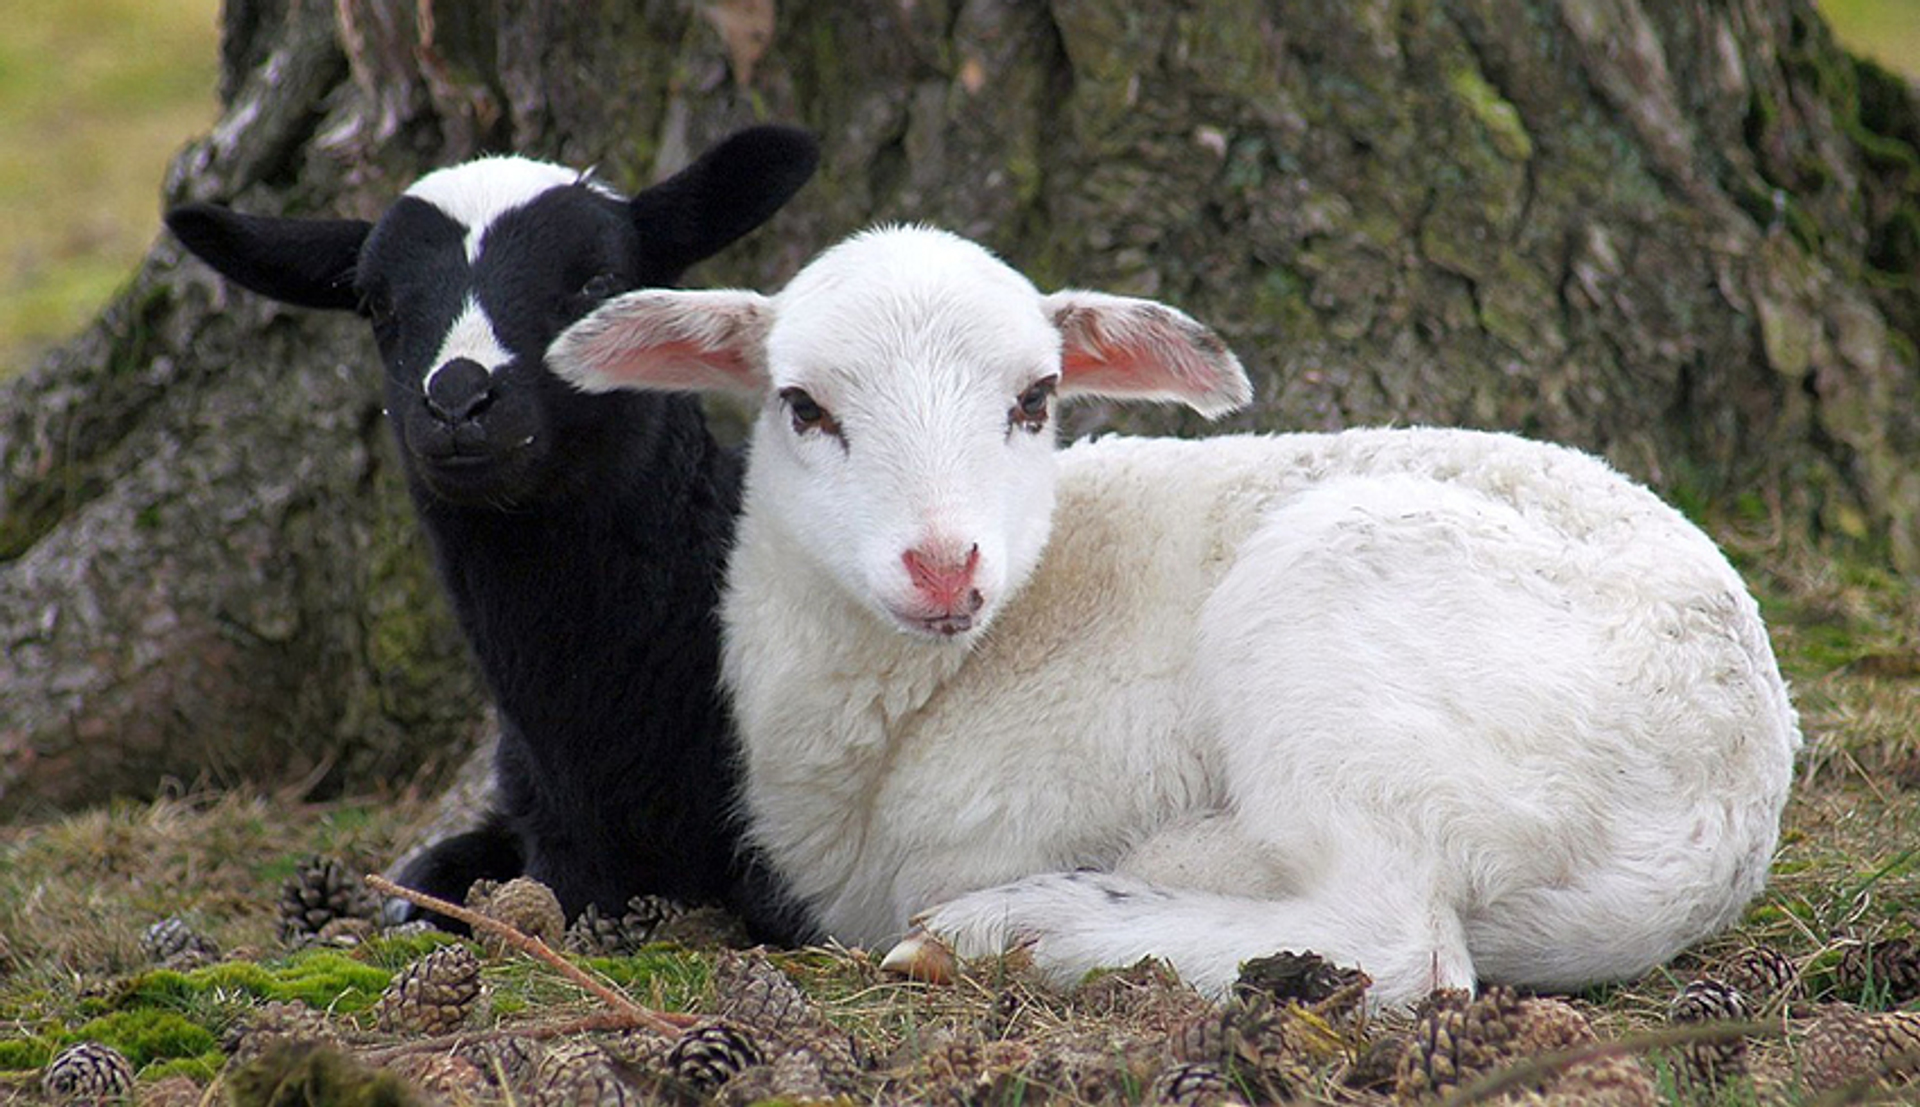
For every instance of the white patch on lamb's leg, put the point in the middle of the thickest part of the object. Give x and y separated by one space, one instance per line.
1072 923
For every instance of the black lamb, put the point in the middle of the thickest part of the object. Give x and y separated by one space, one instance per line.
580 538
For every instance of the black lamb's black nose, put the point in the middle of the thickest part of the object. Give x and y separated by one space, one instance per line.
460 389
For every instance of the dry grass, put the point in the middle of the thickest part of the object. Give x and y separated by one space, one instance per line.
76 893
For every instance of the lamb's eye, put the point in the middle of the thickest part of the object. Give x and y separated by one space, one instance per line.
808 415
599 287
1030 410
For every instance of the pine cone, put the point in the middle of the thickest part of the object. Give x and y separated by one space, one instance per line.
450 1077
756 994
592 934
579 1075
1705 1001
509 1062
433 995
522 903
87 1072
709 1055
643 1051
1886 971
1303 978
791 1078
754 991
1245 1040
1455 1044
1375 1067
1762 974
1846 1045
321 890
343 933
1083 1072
174 943
1148 987
952 1066
650 913
1456 1040
1192 1084
703 927
278 1021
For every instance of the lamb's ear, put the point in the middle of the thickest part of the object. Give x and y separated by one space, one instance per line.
662 340
1141 350
304 262
728 191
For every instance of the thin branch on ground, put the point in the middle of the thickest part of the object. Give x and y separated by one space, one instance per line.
661 1022
606 1020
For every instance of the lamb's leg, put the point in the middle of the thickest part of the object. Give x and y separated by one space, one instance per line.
1075 922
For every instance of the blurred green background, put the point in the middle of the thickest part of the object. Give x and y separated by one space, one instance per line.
97 95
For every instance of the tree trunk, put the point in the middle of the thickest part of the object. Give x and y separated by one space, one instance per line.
1684 235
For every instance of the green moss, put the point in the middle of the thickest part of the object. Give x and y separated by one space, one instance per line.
1495 112
202 1068
144 1037
24 1054
324 979
148 1035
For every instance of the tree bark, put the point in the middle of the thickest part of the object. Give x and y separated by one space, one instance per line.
1684 235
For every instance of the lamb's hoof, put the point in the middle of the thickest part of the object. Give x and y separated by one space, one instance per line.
923 957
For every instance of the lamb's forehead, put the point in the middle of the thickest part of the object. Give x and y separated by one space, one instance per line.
886 297
478 192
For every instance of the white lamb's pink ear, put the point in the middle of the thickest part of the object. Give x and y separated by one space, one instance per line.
664 340
1126 348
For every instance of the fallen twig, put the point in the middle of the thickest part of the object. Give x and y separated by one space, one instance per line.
606 1020
661 1022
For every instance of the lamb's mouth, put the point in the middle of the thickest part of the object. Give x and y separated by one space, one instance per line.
947 625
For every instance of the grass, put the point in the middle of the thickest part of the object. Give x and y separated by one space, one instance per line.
1888 31
95 97
76 893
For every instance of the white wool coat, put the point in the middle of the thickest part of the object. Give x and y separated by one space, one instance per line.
1448 705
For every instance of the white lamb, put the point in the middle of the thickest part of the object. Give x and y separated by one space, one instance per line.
1448 706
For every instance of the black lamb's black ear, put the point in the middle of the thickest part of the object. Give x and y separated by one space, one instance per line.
729 191
305 262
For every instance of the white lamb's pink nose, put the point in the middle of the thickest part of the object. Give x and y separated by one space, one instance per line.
944 579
